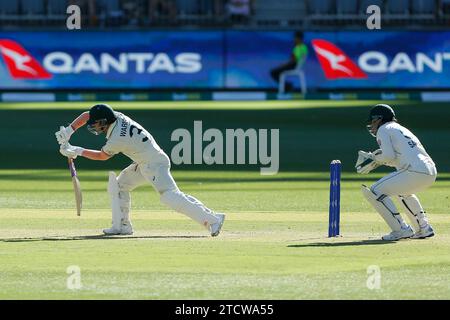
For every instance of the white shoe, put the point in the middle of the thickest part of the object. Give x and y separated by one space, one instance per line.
424 232
111 231
215 227
397 235
126 229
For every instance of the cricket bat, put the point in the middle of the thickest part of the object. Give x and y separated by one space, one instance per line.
76 186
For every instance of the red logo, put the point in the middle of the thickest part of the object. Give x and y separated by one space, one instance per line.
335 63
20 63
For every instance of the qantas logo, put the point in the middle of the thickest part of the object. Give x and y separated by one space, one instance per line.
335 63
20 63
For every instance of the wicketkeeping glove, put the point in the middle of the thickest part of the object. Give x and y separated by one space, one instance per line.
70 151
64 134
366 162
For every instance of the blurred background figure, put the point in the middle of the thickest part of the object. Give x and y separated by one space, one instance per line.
239 10
446 7
298 56
110 13
162 11
132 11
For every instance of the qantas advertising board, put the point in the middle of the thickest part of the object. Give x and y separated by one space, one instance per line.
110 60
220 59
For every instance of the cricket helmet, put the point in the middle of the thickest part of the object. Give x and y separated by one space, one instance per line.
380 111
100 116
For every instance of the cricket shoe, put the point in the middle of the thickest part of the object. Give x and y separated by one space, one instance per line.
215 227
425 232
126 229
397 235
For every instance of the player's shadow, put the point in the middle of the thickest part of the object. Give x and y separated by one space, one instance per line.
98 237
341 244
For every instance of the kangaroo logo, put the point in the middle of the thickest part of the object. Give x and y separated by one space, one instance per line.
334 62
20 64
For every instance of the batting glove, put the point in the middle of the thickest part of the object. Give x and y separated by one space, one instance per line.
366 162
64 134
70 151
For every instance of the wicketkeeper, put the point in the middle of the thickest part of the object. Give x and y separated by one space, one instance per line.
150 165
416 171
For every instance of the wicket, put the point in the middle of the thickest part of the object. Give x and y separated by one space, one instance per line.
335 198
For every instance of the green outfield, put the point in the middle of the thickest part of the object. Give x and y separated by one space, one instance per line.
273 244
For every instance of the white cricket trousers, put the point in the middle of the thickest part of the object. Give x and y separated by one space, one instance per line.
159 176
403 183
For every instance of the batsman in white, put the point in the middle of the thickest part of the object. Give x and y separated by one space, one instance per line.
150 165
415 171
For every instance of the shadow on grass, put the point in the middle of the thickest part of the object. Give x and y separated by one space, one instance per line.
96 237
319 177
341 244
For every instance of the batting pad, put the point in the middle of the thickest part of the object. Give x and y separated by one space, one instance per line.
414 211
113 190
385 207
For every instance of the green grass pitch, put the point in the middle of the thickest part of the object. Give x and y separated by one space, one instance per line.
274 242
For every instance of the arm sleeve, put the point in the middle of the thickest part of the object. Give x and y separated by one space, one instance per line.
110 148
387 150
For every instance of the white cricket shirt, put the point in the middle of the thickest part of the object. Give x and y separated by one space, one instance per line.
403 149
130 138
